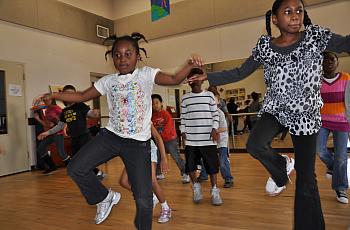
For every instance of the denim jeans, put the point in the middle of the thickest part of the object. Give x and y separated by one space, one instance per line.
58 140
172 147
225 168
307 205
136 156
337 161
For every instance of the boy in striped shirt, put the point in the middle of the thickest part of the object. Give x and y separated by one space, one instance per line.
199 124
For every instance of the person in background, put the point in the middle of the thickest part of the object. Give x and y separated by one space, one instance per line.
75 115
164 124
335 115
50 118
254 107
222 145
199 124
232 108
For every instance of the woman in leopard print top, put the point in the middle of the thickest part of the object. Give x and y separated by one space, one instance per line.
292 71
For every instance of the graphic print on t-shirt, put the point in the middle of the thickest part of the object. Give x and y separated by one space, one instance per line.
127 99
70 115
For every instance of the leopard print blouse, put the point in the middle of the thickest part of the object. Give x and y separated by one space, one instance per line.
293 80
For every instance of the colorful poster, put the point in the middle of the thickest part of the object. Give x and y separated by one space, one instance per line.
159 9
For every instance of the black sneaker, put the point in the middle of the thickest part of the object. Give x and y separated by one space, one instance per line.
228 184
342 197
49 170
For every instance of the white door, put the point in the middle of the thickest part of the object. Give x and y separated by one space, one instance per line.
14 155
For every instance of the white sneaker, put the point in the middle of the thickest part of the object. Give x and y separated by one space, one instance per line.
342 197
160 177
185 178
165 216
215 196
271 187
155 200
105 206
290 164
197 193
100 175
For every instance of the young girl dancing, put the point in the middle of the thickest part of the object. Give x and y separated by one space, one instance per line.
128 131
293 72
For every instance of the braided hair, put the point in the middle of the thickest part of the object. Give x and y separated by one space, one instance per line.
134 39
276 5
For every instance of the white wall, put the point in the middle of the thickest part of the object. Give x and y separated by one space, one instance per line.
102 8
50 59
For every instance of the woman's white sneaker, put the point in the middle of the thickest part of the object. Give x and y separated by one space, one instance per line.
271 187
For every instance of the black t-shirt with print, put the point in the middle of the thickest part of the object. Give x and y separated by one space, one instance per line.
75 117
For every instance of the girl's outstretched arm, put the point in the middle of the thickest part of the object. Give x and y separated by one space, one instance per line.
234 75
159 142
75 97
168 79
339 44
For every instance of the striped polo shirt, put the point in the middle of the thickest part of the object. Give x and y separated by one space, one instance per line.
333 112
199 115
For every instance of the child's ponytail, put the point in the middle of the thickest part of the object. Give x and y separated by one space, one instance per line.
307 20
268 22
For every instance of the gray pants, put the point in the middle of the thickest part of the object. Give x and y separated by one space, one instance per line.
136 156
58 140
172 147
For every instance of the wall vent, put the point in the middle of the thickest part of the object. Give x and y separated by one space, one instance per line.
102 32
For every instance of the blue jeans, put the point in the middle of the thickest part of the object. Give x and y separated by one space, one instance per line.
172 147
225 168
337 161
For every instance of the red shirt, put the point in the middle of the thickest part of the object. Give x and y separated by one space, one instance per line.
52 116
164 124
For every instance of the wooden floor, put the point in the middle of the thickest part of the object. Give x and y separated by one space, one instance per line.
34 201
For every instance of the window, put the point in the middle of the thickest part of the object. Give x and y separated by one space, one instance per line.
3 117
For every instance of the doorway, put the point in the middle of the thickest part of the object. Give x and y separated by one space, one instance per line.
14 155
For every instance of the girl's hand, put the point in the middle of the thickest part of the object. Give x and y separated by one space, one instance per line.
40 98
195 61
164 166
202 77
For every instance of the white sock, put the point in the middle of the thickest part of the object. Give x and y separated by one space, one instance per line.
165 205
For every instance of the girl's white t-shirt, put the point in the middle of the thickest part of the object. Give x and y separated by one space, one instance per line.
129 102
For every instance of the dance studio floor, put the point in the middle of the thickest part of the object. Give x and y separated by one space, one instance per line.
34 201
